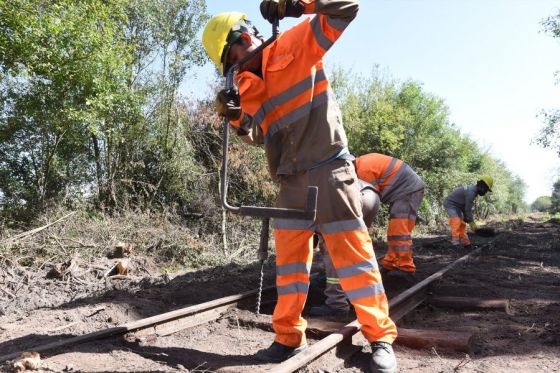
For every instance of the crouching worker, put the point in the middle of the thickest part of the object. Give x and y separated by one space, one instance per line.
403 190
400 187
459 205
336 303
284 101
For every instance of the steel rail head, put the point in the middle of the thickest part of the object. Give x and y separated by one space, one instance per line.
139 324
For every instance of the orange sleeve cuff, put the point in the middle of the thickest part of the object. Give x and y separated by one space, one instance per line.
237 123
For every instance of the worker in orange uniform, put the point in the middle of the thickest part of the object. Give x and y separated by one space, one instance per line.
284 101
459 205
403 190
336 303
400 187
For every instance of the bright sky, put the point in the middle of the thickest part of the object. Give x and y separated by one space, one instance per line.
489 60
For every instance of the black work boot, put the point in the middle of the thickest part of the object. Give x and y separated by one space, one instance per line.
402 276
468 247
326 311
277 352
382 358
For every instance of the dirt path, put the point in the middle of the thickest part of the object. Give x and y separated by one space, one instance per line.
523 266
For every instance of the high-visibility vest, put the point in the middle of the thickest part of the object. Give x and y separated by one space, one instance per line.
377 169
292 102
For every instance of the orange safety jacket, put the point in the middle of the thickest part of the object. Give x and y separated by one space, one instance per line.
292 109
390 176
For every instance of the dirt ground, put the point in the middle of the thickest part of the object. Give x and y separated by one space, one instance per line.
522 265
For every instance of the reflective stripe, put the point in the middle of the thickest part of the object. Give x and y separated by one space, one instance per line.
367 291
290 93
293 288
386 174
291 268
333 281
296 114
400 248
395 177
342 226
294 224
320 37
399 238
455 240
338 24
356 269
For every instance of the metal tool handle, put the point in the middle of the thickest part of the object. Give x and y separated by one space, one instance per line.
263 245
256 211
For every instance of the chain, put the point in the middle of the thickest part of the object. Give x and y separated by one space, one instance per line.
260 288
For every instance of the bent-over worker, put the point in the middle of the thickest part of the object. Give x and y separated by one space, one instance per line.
459 205
400 187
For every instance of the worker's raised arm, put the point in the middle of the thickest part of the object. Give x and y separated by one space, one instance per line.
273 10
342 10
321 32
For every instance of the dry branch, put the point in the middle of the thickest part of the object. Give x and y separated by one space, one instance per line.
33 231
7 292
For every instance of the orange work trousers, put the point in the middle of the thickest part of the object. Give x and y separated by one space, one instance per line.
458 227
346 237
403 213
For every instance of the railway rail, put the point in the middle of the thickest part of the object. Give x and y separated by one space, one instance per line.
191 316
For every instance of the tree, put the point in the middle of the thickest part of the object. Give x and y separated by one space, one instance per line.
89 103
541 204
549 136
57 59
555 198
403 120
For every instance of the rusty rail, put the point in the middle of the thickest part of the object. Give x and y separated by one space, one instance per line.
399 306
141 324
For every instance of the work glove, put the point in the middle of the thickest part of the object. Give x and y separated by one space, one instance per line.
473 226
228 104
273 10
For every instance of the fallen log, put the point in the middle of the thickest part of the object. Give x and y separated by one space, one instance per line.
440 339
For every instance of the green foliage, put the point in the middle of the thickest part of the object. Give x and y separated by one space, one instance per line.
402 120
541 204
90 110
555 198
549 136
552 24
89 103
56 60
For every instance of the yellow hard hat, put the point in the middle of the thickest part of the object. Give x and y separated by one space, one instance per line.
488 180
215 35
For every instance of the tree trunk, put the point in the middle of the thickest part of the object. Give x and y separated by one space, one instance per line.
98 166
